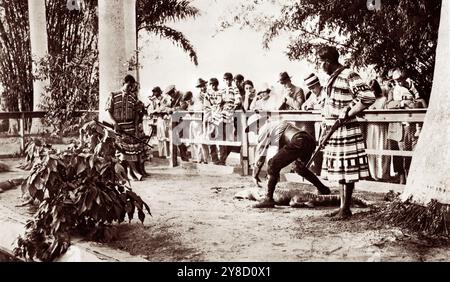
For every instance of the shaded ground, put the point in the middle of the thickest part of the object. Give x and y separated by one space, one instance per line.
195 218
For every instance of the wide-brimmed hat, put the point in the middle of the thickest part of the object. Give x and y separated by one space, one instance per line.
284 77
311 80
157 89
263 88
201 83
169 89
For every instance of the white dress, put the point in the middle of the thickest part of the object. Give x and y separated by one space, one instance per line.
377 139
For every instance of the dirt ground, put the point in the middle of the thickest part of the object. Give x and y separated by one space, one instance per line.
195 218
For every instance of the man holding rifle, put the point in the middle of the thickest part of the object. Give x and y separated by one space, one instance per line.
345 159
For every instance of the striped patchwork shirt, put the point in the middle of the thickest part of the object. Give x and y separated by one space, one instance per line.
231 97
345 88
123 106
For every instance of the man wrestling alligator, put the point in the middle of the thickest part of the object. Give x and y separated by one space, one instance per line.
294 144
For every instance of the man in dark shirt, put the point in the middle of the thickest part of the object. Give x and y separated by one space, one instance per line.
294 144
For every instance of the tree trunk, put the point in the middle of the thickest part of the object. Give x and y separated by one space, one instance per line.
39 49
117 43
429 177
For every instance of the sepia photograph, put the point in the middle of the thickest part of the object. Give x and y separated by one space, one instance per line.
207 131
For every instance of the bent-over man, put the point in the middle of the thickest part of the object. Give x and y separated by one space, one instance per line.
294 144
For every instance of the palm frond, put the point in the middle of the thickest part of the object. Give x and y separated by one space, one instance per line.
150 12
176 37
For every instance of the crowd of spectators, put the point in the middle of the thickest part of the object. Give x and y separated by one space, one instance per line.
219 101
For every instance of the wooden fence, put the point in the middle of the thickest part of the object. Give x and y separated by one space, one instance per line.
22 132
370 116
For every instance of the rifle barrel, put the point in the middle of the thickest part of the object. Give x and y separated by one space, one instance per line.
121 132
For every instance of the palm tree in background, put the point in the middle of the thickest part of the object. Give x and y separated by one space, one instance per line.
153 15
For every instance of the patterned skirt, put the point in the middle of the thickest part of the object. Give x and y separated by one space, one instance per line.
128 149
344 157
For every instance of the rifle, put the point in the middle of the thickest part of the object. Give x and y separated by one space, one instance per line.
336 125
122 133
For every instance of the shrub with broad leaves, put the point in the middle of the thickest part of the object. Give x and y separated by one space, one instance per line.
80 192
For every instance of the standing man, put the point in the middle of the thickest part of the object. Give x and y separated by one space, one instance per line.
122 111
345 159
239 81
196 126
315 101
213 116
292 96
231 100
162 120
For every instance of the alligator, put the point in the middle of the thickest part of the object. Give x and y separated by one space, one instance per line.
10 184
298 198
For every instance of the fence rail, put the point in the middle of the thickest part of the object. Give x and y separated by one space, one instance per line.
21 117
369 117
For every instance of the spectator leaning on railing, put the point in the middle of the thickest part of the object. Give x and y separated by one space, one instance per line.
195 127
292 96
315 101
250 94
262 101
403 136
317 96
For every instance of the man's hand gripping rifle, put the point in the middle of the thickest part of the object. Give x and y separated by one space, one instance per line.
323 142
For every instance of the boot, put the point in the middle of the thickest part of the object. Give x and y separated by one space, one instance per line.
265 203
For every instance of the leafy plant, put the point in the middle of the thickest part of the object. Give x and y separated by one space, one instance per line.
79 192
34 149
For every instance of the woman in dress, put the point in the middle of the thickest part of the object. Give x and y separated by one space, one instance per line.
377 137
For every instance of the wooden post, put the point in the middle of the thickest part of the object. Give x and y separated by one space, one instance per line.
173 162
116 45
244 140
22 132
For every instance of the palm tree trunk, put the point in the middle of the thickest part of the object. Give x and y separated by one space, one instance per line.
429 178
39 49
117 40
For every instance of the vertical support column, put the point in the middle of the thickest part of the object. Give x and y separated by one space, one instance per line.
130 30
244 141
117 39
39 50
